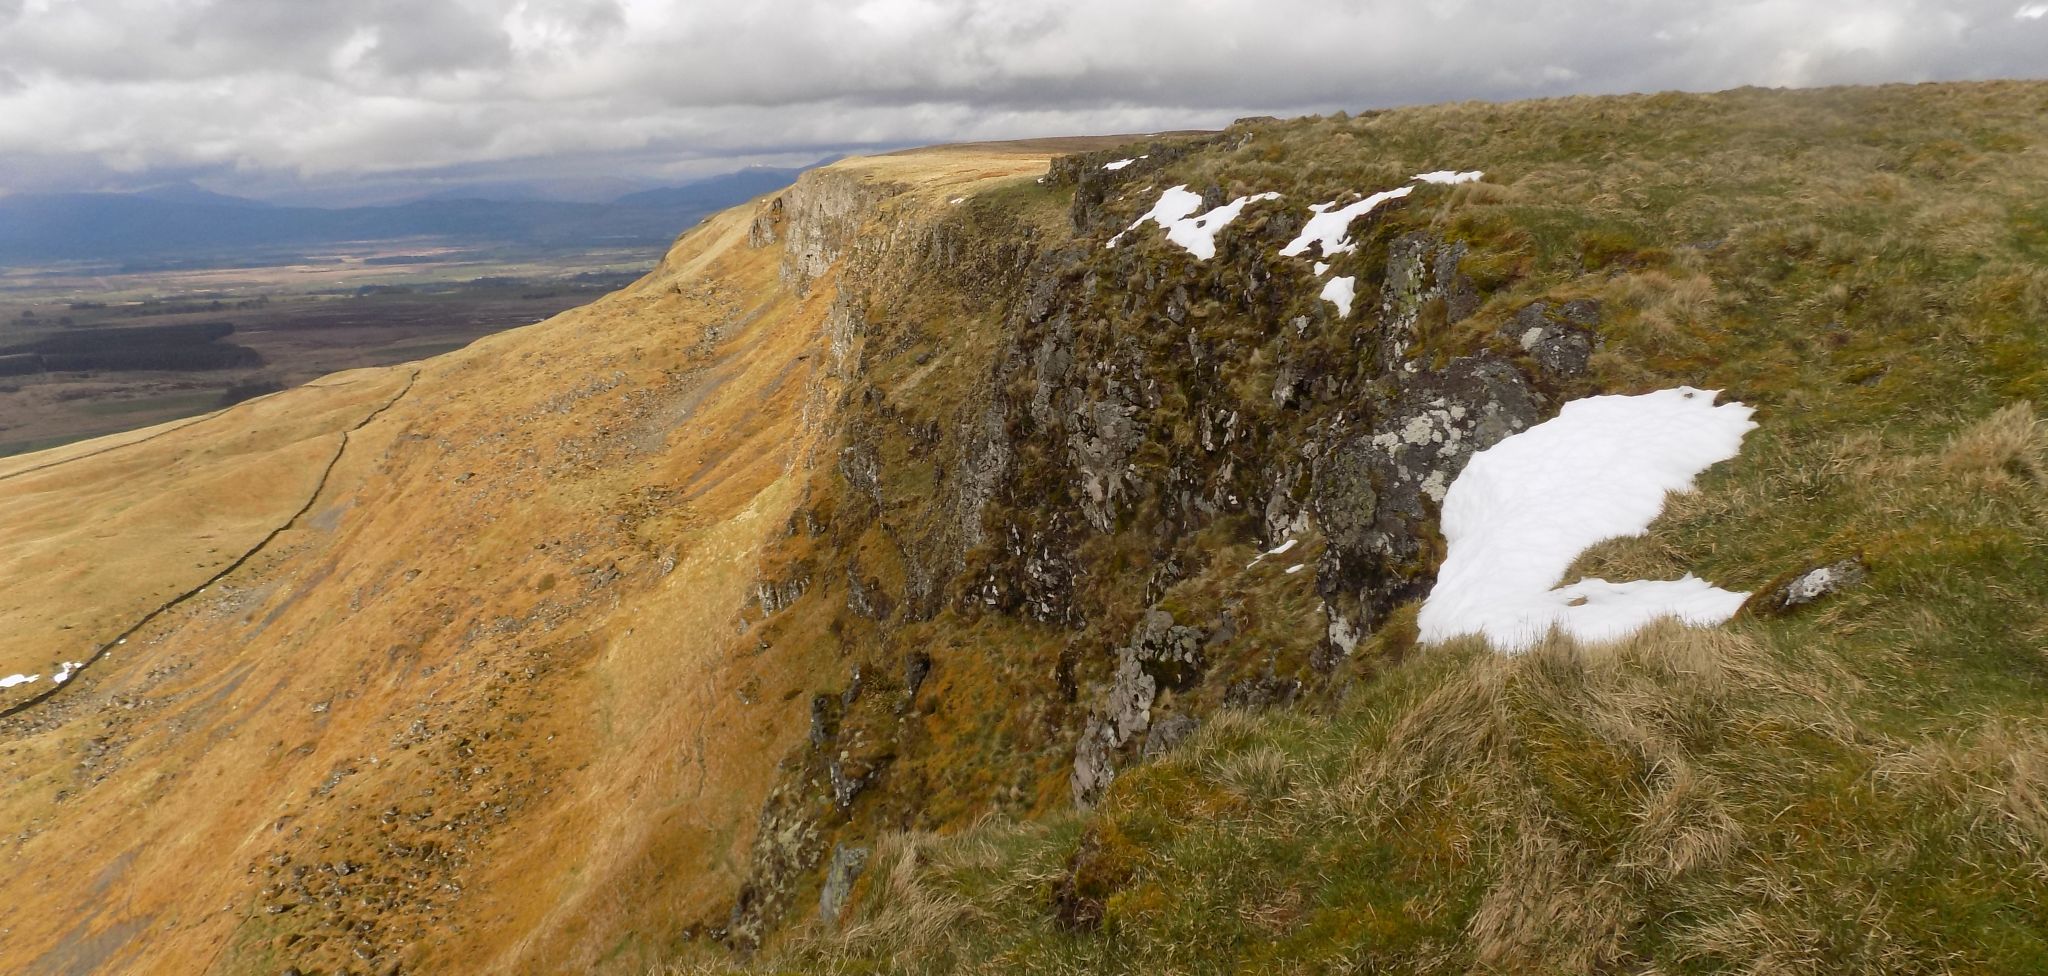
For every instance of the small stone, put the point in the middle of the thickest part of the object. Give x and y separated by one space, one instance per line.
1808 586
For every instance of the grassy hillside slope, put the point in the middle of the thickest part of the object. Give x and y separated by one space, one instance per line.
1861 786
443 666
872 587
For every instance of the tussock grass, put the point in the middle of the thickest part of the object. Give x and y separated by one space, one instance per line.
1685 801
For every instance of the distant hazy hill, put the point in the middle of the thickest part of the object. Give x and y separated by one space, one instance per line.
195 224
715 193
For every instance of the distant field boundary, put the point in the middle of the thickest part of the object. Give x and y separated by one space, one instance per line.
115 447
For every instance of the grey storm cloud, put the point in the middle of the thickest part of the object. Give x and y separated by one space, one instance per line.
336 90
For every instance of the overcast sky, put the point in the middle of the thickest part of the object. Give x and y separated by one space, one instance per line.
282 98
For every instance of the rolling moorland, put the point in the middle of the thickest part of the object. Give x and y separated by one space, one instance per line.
877 585
87 355
111 303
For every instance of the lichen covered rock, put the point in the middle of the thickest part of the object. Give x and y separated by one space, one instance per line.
1796 591
1560 339
1377 494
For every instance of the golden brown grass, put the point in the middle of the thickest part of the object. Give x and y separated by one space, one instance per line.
577 766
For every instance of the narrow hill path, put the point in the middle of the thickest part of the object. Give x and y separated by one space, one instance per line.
319 487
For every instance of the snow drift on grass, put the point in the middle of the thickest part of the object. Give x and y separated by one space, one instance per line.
1525 508
1449 177
64 673
1196 235
1121 163
1339 292
1275 551
1330 229
18 679
1173 206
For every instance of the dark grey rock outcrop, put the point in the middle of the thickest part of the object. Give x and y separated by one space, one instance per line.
1560 339
1377 494
1160 656
840 873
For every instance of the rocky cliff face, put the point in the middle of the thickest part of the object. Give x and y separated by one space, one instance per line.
1044 442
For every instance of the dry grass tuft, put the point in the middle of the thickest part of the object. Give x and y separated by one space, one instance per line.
2007 447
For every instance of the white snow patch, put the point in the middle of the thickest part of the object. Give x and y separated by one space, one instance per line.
1296 568
1121 163
18 679
1282 547
1196 235
2032 11
1339 292
64 673
956 201
1523 510
1174 205
1449 177
1322 266
1330 228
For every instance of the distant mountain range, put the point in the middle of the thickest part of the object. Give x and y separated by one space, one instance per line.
186 224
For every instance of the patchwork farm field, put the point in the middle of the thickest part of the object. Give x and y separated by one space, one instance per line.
89 351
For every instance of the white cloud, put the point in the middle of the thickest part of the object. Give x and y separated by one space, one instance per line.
334 89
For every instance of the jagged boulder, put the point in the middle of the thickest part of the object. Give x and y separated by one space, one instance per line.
763 231
1169 732
1161 655
1104 434
787 843
773 596
865 596
1094 760
862 469
1261 691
